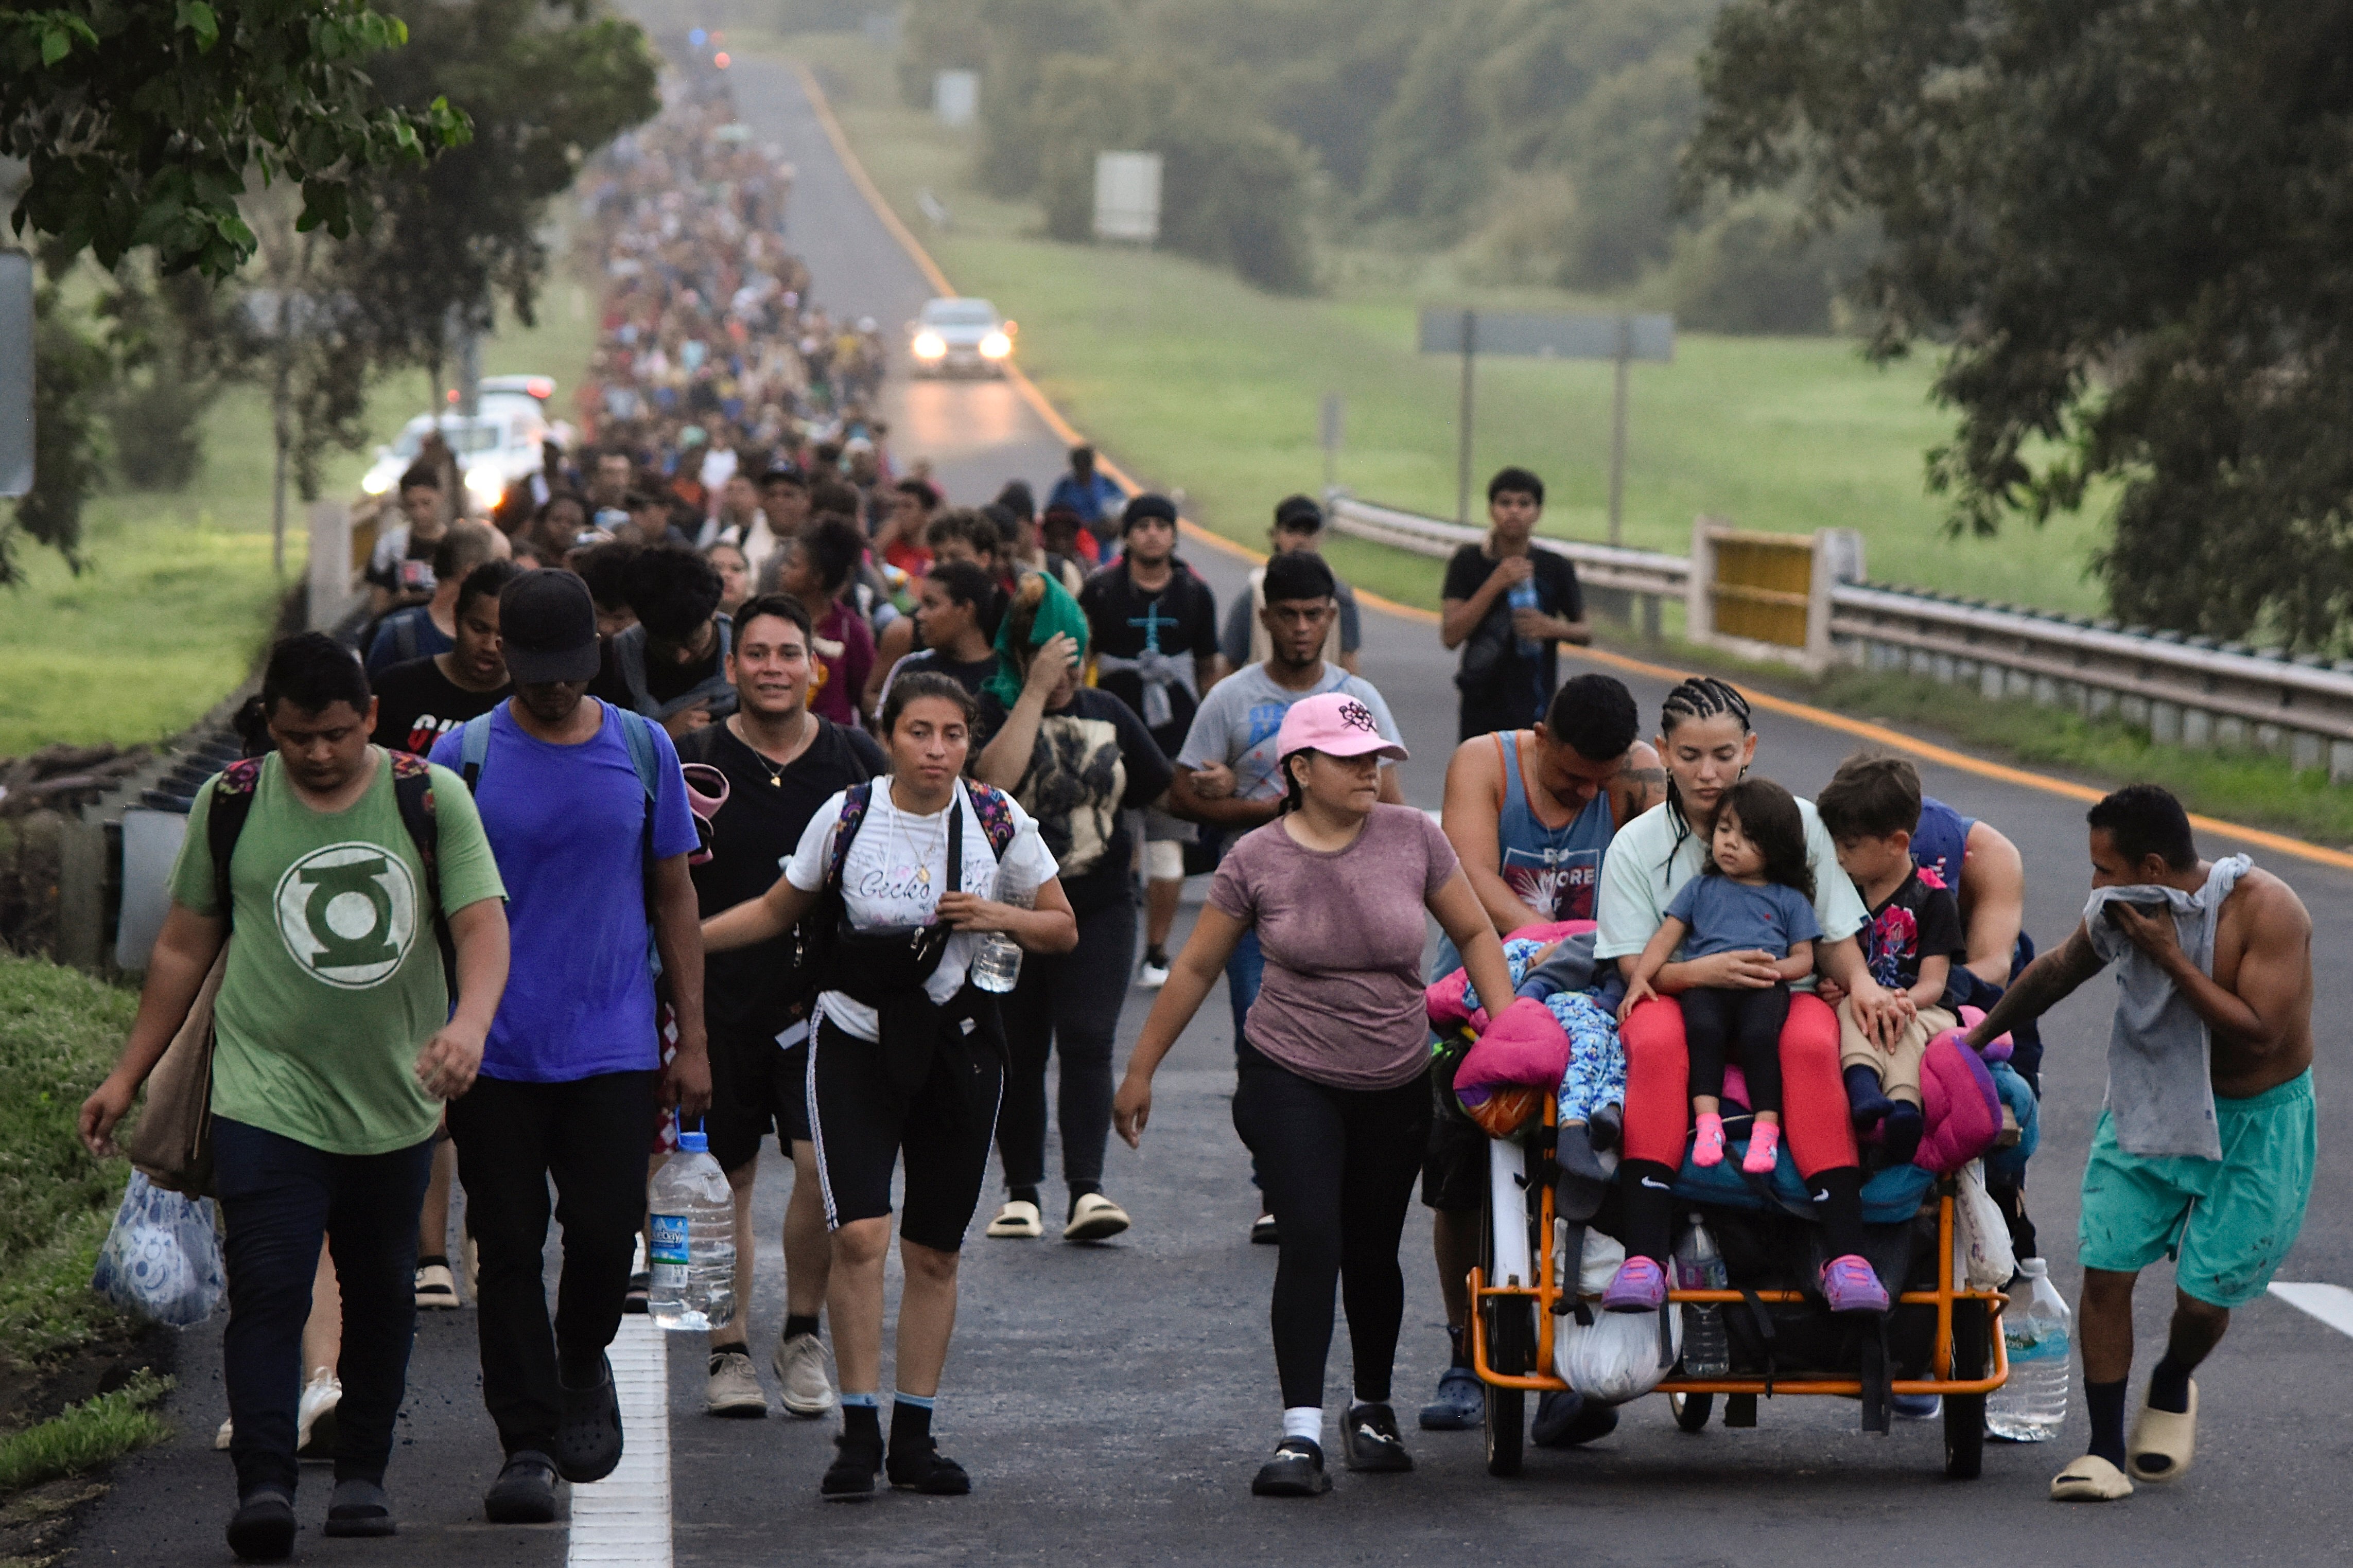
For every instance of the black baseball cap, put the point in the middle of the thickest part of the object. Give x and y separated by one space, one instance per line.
1298 513
1148 505
783 472
548 624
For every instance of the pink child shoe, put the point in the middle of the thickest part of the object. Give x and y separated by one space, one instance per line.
1707 1144
1640 1286
1763 1149
1850 1285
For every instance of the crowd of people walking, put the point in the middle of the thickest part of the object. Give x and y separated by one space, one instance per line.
732 776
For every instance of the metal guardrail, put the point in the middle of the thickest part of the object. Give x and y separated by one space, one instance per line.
2186 690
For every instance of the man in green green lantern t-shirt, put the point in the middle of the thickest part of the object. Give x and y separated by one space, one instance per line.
335 1043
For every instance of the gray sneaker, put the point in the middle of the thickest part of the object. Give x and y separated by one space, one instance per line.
734 1388
799 1362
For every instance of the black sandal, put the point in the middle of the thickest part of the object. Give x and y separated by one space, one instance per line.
931 1472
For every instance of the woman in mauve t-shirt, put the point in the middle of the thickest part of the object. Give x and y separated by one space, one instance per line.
1334 1099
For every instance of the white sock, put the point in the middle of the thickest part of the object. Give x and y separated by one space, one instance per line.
1303 1421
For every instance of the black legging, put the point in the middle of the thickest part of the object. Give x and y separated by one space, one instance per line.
1339 1167
1721 1024
1067 1003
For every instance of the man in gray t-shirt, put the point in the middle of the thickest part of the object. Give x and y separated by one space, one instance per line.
1226 774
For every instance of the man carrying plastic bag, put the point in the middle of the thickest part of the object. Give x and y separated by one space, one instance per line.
346 872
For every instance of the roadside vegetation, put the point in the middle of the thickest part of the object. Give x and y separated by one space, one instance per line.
1192 377
59 1031
175 595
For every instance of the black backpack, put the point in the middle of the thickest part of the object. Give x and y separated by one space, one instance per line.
412 790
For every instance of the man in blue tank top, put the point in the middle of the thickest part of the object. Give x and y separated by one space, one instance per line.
1530 812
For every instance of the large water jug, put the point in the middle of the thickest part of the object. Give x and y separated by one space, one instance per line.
692 1244
2030 1408
1699 1265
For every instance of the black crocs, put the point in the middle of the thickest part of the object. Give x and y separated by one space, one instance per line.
1296 1470
525 1492
262 1528
360 1508
588 1441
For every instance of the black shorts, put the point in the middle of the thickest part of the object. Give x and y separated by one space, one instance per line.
866 1123
1454 1163
756 1085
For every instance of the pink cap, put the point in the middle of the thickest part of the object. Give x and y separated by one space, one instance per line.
1335 724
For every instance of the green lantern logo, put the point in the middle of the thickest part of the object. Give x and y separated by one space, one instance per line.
347 913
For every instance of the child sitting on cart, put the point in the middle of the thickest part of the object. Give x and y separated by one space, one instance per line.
1755 895
1872 807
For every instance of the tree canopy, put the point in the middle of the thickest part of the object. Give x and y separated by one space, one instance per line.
2128 224
143 124
1535 138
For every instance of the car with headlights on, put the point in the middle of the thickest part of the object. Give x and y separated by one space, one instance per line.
497 447
959 337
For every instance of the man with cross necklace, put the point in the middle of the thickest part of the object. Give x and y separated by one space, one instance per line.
782 763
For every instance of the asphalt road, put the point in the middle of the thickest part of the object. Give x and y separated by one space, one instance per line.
1113 1401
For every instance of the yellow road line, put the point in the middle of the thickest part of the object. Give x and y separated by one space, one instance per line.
1878 734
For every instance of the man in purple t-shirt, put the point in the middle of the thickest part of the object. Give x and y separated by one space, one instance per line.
573 1064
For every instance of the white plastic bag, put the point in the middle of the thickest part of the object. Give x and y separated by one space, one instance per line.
1618 1358
1595 1269
162 1258
1982 1257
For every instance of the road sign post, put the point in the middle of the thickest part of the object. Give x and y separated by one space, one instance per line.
1619 339
15 373
1335 414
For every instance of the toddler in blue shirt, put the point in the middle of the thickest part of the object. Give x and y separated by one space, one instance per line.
1755 894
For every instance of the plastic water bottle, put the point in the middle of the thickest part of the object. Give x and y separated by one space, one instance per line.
1523 596
2030 1408
1707 1351
692 1213
997 964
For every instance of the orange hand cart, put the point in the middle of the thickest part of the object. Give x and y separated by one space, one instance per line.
1512 1326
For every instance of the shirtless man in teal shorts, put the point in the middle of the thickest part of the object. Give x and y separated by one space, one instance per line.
2206 1147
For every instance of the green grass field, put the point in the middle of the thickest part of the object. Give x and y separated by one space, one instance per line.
1190 378
176 594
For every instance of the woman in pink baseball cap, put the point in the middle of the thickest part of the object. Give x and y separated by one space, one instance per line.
1334 1093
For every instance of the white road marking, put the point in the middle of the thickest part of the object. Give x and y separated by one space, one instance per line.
624 1519
2332 1304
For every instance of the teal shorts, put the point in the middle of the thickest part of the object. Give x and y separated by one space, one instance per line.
2227 1223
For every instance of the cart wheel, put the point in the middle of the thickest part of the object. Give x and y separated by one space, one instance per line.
1692 1410
1510 1348
1965 1413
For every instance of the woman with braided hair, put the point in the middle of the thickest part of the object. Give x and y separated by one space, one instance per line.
1707 744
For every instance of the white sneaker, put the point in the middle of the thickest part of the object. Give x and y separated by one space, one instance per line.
734 1388
799 1364
221 1438
1152 976
1094 1217
314 1417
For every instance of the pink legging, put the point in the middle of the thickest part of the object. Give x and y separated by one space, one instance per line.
1814 1116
